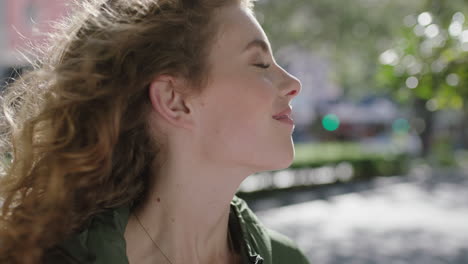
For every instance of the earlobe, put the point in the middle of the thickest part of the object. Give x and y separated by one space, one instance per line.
168 102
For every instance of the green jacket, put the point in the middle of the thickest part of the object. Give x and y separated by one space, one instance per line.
103 242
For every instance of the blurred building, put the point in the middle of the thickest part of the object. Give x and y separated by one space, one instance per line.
314 72
367 118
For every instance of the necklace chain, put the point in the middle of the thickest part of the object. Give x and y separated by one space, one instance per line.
152 239
231 244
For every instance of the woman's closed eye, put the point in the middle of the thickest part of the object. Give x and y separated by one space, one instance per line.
263 66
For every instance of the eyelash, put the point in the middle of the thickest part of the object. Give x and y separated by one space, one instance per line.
263 66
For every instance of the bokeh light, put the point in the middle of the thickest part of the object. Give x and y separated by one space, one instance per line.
412 82
464 36
455 29
389 57
459 17
425 19
453 79
432 31
432 105
401 125
331 122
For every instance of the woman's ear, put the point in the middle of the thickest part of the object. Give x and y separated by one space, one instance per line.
168 102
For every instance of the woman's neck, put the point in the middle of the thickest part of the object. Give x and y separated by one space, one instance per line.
186 214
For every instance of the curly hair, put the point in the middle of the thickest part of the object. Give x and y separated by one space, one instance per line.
75 138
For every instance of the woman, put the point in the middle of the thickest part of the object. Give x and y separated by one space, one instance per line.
130 138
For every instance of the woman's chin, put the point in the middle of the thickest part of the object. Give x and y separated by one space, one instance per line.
272 160
283 163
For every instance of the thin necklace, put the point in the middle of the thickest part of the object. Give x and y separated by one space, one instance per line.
231 244
151 238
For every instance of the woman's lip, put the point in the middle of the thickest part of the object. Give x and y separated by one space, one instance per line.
285 112
286 120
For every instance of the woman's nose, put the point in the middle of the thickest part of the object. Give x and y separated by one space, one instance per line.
290 86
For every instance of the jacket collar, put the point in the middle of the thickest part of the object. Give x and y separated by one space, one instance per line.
103 241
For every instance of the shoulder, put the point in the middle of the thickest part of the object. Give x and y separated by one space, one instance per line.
275 247
58 255
101 242
284 250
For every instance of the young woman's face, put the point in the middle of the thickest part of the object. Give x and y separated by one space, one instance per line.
237 127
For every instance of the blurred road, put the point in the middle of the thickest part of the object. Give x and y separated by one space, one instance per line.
418 219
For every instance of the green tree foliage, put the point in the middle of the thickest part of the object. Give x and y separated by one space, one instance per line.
429 62
351 34
427 67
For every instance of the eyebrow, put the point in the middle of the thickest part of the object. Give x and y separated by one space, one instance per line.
258 43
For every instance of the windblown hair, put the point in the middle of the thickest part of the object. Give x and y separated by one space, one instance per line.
75 138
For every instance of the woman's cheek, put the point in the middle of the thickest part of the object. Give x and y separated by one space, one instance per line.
267 84
268 79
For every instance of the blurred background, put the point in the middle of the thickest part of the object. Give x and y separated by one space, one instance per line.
381 136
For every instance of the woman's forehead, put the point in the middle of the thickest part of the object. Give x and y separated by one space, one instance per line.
240 30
